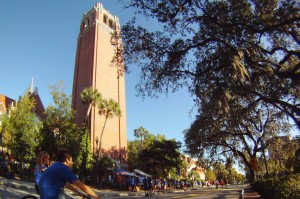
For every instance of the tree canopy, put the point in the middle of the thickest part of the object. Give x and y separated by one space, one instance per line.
59 129
92 97
220 50
156 154
161 157
240 60
23 126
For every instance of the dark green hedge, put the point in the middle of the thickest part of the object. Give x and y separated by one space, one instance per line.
287 187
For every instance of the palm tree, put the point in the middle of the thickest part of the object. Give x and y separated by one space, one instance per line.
108 109
91 96
141 132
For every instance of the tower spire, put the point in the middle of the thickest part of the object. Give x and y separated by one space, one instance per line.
30 90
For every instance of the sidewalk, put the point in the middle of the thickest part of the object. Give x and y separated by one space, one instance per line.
248 193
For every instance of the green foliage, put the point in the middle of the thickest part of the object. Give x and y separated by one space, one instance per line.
154 154
199 45
133 154
210 175
220 170
142 134
236 136
105 163
92 97
145 139
286 187
234 177
296 161
161 157
194 175
85 161
59 129
23 126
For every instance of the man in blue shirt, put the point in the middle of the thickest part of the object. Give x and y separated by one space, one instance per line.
60 175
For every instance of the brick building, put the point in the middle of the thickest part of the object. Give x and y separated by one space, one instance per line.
94 68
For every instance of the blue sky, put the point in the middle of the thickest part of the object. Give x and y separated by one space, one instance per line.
38 39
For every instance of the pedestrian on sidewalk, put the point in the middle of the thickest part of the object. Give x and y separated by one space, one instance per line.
146 187
119 180
42 163
150 186
165 185
110 180
132 184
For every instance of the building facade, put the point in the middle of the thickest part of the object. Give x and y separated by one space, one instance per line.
5 103
94 67
192 165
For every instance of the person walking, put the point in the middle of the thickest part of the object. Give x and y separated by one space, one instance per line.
165 185
42 163
119 180
150 186
146 186
60 175
132 184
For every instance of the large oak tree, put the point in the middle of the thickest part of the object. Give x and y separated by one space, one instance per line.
231 55
219 49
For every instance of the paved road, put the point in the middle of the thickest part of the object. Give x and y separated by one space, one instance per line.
201 194
12 193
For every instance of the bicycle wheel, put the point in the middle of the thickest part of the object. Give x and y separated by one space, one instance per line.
30 197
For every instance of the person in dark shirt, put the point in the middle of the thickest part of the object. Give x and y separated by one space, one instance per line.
145 183
60 175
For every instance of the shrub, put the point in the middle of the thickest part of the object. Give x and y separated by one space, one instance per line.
290 187
287 187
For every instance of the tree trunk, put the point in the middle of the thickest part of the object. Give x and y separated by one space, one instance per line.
87 115
252 176
100 145
141 144
266 163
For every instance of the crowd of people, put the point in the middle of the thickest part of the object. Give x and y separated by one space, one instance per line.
149 185
134 183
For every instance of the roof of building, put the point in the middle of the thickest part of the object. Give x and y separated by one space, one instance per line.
39 107
5 102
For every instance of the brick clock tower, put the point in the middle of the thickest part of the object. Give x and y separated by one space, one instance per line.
94 68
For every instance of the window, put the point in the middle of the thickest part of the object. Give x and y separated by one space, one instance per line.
86 23
104 19
111 24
